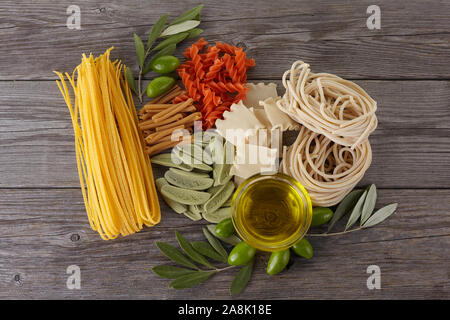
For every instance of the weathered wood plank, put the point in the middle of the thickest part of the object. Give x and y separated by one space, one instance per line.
37 228
413 42
42 231
411 145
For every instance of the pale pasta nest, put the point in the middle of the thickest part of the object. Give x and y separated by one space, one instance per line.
332 151
329 105
329 171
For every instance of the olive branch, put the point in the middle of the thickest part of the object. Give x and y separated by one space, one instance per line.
181 28
359 203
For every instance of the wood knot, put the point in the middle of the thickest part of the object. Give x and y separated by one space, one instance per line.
75 237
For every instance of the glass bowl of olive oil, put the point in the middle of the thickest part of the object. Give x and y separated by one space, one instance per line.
271 212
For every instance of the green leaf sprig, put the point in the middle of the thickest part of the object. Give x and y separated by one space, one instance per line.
360 204
192 254
181 28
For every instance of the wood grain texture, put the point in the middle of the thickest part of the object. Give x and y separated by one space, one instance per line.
413 42
404 66
411 248
411 146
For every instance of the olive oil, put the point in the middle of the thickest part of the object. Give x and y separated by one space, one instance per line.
270 212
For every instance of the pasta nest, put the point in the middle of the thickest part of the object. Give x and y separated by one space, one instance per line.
328 170
329 105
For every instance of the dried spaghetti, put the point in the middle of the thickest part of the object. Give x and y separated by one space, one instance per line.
115 174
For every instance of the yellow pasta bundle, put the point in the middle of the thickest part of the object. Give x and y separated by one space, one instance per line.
115 173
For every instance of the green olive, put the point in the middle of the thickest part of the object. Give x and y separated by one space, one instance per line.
159 85
165 64
241 254
321 216
303 249
225 228
278 261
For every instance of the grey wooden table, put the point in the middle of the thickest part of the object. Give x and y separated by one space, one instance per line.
404 66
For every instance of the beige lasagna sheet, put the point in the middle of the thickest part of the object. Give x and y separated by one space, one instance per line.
259 92
238 123
261 115
276 117
252 159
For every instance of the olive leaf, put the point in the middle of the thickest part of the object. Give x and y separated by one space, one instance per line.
369 203
130 79
380 215
176 38
180 27
207 250
344 207
194 33
232 240
175 255
357 211
156 30
191 14
190 251
215 243
190 280
166 51
242 278
171 272
140 50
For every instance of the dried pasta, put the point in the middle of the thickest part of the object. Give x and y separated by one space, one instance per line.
165 124
214 79
277 118
259 92
328 170
252 159
115 174
239 122
332 151
328 105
